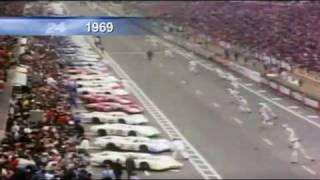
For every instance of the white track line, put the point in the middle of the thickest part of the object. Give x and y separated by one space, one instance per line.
238 121
309 170
262 91
248 84
209 172
275 99
293 107
266 140
313 116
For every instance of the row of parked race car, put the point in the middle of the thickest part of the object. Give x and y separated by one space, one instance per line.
114 115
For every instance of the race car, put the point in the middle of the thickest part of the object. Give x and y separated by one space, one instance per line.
91 84
112 117
96 98
102 90
85 71
111 106
143 161
81 64
143 144
124 130
99 77
83 58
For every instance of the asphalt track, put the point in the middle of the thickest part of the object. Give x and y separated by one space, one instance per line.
198 105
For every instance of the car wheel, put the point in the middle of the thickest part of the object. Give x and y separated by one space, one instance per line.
111 146
143 148
121 121
96 120
80 86
102 132
85 92
132 133
144 166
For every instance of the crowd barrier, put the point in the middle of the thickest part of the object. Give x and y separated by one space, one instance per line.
293 94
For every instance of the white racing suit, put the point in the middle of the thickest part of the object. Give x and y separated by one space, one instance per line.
296 146
168 53
267 115
235 84
221 73
179 149
234 95
243 105
296 150
193 67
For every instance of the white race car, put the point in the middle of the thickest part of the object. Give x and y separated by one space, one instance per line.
143 161
103 90
112 117
86 59
89 64
124 130
80 77
143 144
111 85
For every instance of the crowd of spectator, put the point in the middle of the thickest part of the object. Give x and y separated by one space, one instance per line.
44 146
7 42
287 31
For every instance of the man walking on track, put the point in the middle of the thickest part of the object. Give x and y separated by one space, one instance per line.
295 146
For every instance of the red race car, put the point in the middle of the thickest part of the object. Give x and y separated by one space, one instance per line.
97 98
111 106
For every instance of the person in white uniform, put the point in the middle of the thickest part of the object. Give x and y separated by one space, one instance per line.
243 105
235 84
178 148
168 53
267 114
193 66
221 73
234 95
295 146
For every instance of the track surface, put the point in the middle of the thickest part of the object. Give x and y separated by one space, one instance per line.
198 105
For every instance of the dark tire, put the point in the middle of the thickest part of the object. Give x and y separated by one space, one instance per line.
80 86
85 92
102 132
121 121
132 133
144 148
96 120
111 146
144 166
